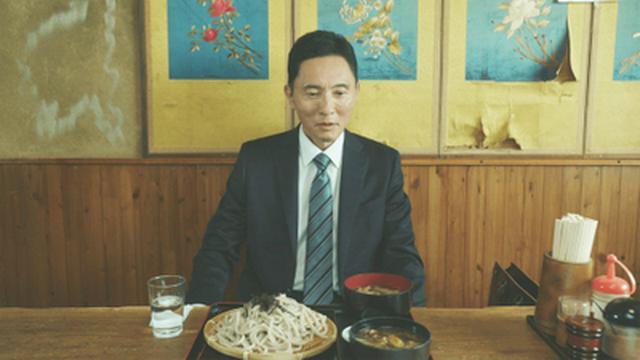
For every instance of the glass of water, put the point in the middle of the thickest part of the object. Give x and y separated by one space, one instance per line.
166 296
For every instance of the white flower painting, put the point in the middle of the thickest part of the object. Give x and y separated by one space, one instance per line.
517 40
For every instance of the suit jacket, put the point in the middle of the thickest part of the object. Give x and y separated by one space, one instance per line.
260 209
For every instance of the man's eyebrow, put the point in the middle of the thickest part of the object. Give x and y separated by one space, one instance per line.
340 85
315 86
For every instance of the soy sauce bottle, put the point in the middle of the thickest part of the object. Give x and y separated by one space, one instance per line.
584 337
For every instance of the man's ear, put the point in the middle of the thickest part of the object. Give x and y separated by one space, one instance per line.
288 92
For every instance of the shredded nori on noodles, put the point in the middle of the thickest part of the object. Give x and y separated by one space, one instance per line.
266 302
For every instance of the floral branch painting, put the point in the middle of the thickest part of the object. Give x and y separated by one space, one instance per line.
383 33
525 19
235 40
627 52
516 40
630 61
221 39
375 32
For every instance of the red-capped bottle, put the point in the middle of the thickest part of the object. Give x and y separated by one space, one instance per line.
608 287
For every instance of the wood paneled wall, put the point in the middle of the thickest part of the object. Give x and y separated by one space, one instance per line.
91 232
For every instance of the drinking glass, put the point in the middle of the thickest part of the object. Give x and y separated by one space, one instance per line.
166 297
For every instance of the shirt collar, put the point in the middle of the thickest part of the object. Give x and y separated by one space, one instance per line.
308 150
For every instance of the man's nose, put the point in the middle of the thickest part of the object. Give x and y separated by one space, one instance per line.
327 105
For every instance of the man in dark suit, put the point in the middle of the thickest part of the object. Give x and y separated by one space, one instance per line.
316 204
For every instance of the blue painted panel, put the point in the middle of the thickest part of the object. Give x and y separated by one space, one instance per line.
517 40
205 63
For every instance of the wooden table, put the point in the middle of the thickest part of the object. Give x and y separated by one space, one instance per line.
122 333
489 333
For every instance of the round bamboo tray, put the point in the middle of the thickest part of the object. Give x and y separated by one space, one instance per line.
314 347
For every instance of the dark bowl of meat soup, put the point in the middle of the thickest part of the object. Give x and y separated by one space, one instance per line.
393 338
378 294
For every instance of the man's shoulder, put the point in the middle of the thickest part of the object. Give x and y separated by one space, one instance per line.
270 142
372 146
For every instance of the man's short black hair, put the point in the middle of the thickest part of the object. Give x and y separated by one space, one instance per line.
320 43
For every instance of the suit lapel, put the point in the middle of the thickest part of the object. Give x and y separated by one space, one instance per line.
286 159
354 164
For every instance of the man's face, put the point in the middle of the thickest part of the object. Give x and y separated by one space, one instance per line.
323 96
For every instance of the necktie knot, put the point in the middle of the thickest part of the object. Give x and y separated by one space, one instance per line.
322 162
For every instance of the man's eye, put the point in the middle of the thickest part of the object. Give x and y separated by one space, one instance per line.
313 94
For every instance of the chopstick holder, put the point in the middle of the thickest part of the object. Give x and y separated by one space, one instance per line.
567 269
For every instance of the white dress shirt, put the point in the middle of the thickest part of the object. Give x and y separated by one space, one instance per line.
306 172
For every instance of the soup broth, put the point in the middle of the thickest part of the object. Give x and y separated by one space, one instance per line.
377 290
388 337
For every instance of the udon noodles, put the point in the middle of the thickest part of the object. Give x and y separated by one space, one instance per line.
285 327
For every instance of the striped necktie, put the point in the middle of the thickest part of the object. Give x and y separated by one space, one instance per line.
318 275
